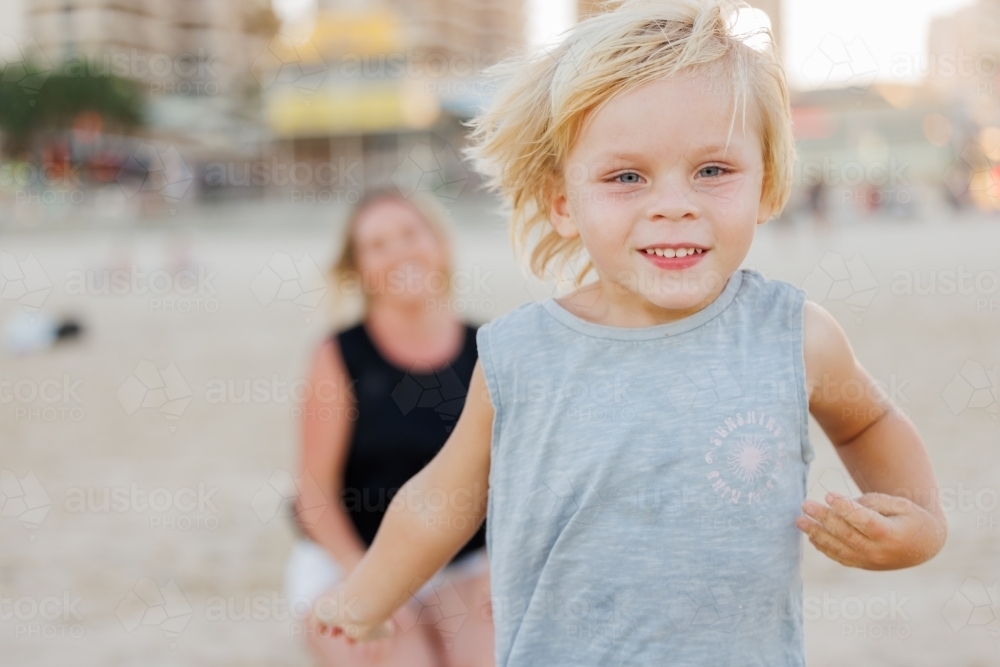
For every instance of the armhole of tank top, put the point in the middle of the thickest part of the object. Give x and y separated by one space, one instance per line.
799 363
485 355
470 345
345 359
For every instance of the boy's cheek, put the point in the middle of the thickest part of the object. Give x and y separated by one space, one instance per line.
735 190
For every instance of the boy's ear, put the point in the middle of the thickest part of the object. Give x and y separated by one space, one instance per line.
559 214
764 213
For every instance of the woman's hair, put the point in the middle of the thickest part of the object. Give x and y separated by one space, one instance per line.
345 273
520 142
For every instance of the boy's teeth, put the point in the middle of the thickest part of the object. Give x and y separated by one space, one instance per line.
671 252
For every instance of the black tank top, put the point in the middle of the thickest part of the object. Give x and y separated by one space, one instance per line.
403 420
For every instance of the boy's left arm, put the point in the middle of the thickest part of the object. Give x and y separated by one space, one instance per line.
898 522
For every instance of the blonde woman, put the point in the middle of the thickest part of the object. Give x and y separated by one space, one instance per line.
388 392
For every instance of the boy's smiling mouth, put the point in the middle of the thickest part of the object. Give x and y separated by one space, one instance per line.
674 255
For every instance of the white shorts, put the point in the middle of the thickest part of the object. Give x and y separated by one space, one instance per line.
311 571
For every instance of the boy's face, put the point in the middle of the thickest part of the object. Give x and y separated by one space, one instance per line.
649 170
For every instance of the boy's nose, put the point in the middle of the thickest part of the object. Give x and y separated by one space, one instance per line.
672 200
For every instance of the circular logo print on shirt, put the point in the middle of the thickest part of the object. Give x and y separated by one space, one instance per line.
748 458
746 455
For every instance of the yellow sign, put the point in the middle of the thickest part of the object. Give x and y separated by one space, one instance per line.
382 107
364 33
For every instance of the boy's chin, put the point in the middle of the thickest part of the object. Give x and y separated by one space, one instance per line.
679 302
680 291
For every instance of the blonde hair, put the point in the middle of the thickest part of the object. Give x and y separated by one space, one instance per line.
345 267
521 141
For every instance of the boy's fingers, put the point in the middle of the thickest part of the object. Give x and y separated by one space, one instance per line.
838 526
832 547
816 531
867 521
885 504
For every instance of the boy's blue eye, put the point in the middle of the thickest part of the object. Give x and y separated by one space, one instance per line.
718 170
628 177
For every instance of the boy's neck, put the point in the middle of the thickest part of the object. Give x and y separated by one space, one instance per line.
612 304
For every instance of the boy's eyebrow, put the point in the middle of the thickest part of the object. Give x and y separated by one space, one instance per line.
734 148
624 156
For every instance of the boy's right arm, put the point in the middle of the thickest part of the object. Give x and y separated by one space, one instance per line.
429 520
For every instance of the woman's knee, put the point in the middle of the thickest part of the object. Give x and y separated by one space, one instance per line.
414 647
472 643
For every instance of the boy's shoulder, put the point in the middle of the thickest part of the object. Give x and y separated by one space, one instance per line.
754 280
515 317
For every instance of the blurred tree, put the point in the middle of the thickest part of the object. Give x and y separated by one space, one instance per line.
60 100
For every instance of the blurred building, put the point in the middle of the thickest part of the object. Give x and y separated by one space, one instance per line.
963 60
382 87
451 28
192 58
962 70
451 41
187 47
864 151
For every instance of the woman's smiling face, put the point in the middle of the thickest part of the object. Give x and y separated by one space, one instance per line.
398 255
665 210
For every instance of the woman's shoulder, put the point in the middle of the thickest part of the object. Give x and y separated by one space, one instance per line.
349 340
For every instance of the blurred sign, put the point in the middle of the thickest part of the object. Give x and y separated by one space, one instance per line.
373 107
350 77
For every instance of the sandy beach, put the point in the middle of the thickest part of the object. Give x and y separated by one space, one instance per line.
145 467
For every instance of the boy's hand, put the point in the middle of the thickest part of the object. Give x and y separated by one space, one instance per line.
874 532
333 616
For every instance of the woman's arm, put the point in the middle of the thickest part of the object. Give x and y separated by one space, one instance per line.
898 522
326 435
429 520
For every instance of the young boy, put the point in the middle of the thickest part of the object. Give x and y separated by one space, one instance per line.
641 444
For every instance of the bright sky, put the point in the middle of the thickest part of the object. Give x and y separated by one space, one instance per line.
891 32
884 39
875 34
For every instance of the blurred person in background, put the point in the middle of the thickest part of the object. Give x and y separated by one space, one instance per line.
395 384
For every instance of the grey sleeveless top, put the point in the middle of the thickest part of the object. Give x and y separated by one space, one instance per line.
644 484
